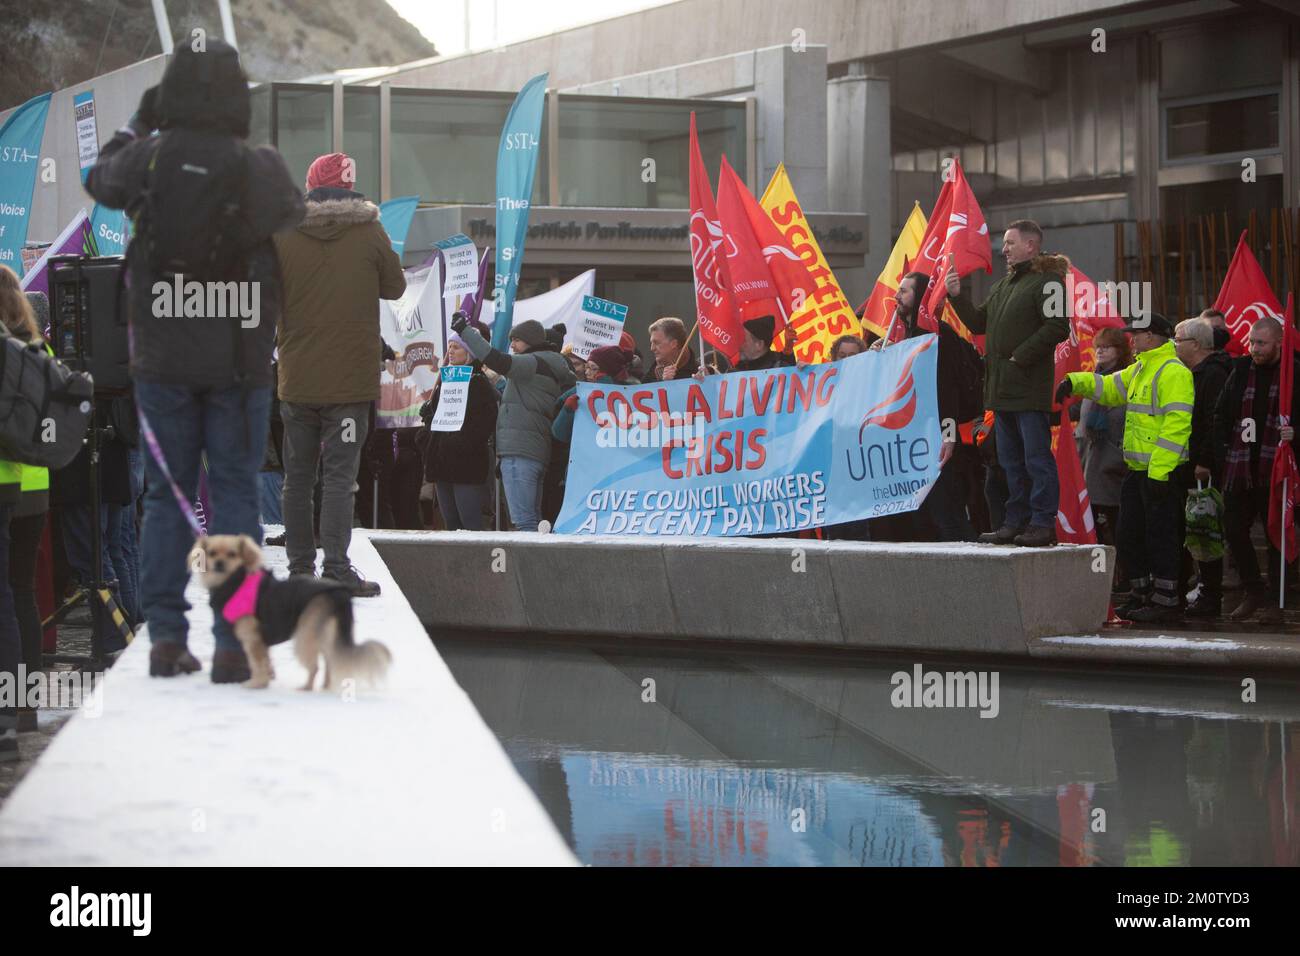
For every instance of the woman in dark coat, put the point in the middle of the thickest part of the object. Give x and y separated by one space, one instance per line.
457 462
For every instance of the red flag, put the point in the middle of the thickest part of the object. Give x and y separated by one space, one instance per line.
1282 501
1074 515
1091 311
794 283
753 289
956 228
719 322
1245 297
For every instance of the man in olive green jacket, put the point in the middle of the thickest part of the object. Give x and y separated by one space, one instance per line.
1022 320
337 264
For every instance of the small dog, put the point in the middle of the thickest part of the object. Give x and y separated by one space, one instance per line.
263 611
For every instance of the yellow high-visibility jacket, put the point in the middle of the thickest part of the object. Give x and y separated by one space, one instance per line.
1158 394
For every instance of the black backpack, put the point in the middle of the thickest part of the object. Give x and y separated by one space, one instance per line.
44 405
189 221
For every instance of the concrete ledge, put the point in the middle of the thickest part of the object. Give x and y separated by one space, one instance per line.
184 772
924 597
1269 652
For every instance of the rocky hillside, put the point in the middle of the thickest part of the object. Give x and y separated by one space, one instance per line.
51 44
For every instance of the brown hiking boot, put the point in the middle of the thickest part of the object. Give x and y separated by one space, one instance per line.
230 666
169 658
1036 537
1004 535
1246 609
1269 615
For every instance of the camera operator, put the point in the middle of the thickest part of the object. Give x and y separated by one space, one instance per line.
206 204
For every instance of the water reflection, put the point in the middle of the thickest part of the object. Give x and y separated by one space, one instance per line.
758 759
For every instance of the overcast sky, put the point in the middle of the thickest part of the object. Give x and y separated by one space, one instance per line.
443 21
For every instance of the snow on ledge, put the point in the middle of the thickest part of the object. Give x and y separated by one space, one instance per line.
181 771
1162 642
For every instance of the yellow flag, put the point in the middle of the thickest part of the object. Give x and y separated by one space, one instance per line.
880 306
827 314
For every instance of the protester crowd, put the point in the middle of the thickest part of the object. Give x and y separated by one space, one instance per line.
281 417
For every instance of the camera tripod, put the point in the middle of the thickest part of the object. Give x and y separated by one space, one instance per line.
105 614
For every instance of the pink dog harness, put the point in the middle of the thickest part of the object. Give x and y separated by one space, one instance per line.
243 603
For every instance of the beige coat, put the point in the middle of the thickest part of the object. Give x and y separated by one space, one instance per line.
336 266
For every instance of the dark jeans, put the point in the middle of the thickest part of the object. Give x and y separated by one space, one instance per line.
230 424
1150 541
1025 454
10 643
1241 507
332 435
944 508
24 543
461 505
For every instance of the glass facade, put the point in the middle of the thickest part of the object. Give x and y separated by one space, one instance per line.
1219 126
444 145
259 132
612 151
626 152
303 118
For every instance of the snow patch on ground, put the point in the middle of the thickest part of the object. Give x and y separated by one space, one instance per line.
185 772
1162 642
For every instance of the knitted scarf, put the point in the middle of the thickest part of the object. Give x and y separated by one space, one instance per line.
1239 474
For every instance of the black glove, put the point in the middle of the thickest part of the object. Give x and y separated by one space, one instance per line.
386 354
146 114
459 322
1158 490
1064 390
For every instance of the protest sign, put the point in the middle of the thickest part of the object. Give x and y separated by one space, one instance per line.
600 323
460 265
413 327
757 452
453 399
83 111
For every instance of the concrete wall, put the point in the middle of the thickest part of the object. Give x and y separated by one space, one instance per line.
938 598
693 30
116 96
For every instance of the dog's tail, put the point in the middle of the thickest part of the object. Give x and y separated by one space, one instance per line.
366 663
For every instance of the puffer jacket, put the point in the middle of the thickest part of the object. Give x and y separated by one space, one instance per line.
534 382
1018 320
1101 449
336 265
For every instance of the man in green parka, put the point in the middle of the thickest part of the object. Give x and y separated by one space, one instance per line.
1022 320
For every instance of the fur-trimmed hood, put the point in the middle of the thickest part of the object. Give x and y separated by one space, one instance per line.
1043 262
329 218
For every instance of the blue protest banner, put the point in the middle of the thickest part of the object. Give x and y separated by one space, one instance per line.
516 168
395 216
757 452
109 231
20 147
